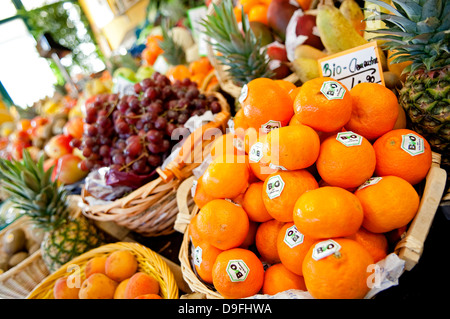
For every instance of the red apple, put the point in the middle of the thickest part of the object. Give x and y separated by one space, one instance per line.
58 146
67 170
74 127
277 52
305 26
279 14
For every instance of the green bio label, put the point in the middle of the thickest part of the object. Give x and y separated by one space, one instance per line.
197 256
275 186
325 249
256 152
237 270
412 144
293 237
270 125
333 90
349 138
371 181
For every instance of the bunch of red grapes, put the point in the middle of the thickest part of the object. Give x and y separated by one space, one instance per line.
133 133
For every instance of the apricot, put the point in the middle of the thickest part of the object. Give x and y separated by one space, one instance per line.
149 296
97 286
120 265
62 290
95 265
141 284
120 290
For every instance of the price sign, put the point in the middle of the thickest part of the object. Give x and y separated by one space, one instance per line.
357 65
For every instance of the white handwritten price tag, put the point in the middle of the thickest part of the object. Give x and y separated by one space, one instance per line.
357 65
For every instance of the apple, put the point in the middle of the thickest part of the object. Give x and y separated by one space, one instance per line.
49 163
144 72
305 26
127 73
277 51
58 146
74 127
67 170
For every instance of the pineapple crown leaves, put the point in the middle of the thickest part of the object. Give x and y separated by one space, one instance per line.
33 191
417 30
240 49
173 52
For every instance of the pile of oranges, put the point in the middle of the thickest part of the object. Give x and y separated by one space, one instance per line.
303 193
197 71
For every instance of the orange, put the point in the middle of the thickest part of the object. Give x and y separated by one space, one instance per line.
287 85
293 93
283 188
328 212
238 13
266 240
201 66
410 161
374 110
204 257
401 121
304 4
346 160
194 234
178 72
375 244
250 239
201 197
266 104
222 224
238 273
389 202
225 177
258 13
258 164
253 203
292 147
229 143
278 278
252 136
324 104
239 120
342 274
292 247
248 4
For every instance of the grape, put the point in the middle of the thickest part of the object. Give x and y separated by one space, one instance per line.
160 123
118 159
134 148
151 93
153 148
215 107
155 136
123 107
140 165
165 146
154 160
183 118
171 127
75 143
87 152
146 83
192 93
137 88
172 115
122 127
89 142
104 151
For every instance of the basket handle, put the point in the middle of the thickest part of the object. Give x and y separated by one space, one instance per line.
195 140
184 215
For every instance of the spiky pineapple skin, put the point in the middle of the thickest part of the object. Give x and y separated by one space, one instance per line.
74 238
425 98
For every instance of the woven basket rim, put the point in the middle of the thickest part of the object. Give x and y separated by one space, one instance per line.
148 260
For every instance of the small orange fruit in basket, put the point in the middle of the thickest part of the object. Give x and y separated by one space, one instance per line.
292 147
389 202
194 234
283 188
250 238
278 278
226 176
266 240
253 203
287 85
141 284
204 257
239 120
120 265
201 197
324 104
63 290
95 265
328 212
97 286
337 269
258 13
374 110
403 153
201 66
266 105
346 160
238 273
178 72
376 244
222 224
292 247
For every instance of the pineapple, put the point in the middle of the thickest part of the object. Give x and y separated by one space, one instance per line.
173 52
67 232
419 32
242 51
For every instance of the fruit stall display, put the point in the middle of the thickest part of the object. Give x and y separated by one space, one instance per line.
305 184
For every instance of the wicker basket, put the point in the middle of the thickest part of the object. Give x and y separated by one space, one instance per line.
149 262
409 248
151 210
19 281
225 80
